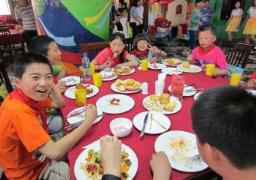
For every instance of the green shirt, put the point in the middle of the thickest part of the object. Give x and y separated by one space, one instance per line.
195 19
56 69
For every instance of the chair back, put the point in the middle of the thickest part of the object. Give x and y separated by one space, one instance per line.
237 54
93 48
4 77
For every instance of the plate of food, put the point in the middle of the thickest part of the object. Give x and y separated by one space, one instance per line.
115 103
164 104
171 62
171 71
127 86
181 150
70 80
196 96
156 66
192 69
108 75
123 70
157 123
91 90
88 164
78 115
187 91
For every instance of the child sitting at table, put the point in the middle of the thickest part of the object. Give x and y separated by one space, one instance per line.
251 84
223 120
207 52
143 50
114 55
48 47
26 149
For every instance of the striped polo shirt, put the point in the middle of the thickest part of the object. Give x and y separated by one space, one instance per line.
26 15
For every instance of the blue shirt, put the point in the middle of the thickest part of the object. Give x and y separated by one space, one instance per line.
206 15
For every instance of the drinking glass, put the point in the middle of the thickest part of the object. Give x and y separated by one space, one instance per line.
177 85
144 65
80 95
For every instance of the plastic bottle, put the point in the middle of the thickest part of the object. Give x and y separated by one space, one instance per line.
86 67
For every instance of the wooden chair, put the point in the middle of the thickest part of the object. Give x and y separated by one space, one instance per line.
237 54
93 48
4 77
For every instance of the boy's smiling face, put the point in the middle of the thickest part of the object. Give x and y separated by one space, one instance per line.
36 81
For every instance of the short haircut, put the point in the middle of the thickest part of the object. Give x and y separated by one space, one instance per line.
40 44
225 117
207 28
22 62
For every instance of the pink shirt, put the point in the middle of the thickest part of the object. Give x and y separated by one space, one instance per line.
107 55
214 56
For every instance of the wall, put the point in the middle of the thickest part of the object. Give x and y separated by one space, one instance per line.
70 22
171 15
221 24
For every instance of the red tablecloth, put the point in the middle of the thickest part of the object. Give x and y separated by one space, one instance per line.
143 148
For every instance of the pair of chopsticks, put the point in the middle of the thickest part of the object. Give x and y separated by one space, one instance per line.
152 118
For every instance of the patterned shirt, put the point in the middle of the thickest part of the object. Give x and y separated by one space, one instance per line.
26 15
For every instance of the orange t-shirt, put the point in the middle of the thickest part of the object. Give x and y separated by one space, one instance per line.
21 134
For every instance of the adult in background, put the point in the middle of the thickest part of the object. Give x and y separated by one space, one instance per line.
207 13
250 26
25 17
195 22
136 17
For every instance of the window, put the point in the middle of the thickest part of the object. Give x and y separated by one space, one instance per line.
179 9
4 8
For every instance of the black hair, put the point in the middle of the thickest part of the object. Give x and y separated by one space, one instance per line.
207 28
120 36
22 62
134 3
225 117
40 44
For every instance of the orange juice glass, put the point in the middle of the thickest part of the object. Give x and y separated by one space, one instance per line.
144 65
210 69
97 79
80 95
235 79
92 68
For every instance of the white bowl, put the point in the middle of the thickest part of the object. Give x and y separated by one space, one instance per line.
121 127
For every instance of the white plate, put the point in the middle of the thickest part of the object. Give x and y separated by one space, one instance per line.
106 76
70 92
80 174
123 74
70 80
176 109
192 69
187 91
179 160
81 116
126 103
113 87
253 92
176 60
155 127
196 96
157 66
171 71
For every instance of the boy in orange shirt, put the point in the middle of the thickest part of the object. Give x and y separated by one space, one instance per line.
26 150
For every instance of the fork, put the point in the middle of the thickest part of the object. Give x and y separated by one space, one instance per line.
195 157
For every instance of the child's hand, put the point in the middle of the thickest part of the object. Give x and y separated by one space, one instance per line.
190 58
110 151
251 84
153 60
160 166
90 114
60 87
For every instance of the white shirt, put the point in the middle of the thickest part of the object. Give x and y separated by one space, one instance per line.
237 12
